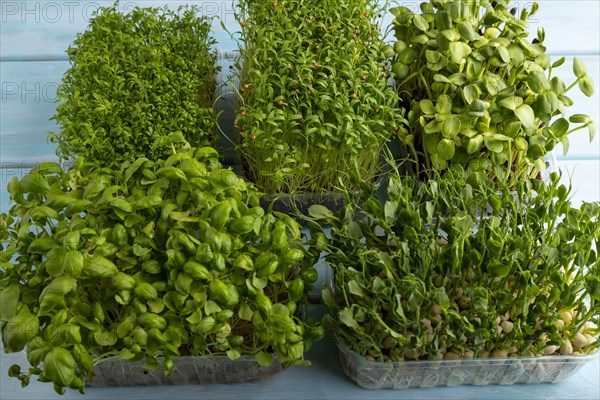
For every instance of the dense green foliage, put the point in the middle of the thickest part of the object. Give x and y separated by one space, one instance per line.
155 260
450 268
135 77
315 102
477 92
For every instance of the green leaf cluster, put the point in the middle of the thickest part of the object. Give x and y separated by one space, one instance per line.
133 78
477 92
451 268
315 102
158 259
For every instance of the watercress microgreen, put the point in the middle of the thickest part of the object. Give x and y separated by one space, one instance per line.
134 77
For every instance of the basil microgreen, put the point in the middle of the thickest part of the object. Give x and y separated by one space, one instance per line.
158 259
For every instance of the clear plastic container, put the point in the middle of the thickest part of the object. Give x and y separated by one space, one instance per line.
488 371
188 370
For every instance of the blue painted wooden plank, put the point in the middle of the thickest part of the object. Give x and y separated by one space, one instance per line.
38 28
27 96
571 26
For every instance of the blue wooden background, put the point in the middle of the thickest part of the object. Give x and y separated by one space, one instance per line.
33 38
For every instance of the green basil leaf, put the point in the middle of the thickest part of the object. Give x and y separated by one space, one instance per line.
59 366
98 267
9 297
34 183
19 330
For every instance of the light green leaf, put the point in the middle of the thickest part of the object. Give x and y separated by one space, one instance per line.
559 127
319 211
512 129
535 152
537 82
517 55
493 145
456 52
347 318
55 292
355 288
105 338
445 149
264 359
504 54
511 103
427 107
586 85
126 354
443 104
420 23
441 78
408 55
9 297
34 183
59 366
245 312
440 297
234 354
565 144
354 230
470 93
467 32
451 127
43 212
474 144
579 118
390 210
19 330
579 68
527 117
328 298
98 267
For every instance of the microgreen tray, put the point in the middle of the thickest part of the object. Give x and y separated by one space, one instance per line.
188 370
488 371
